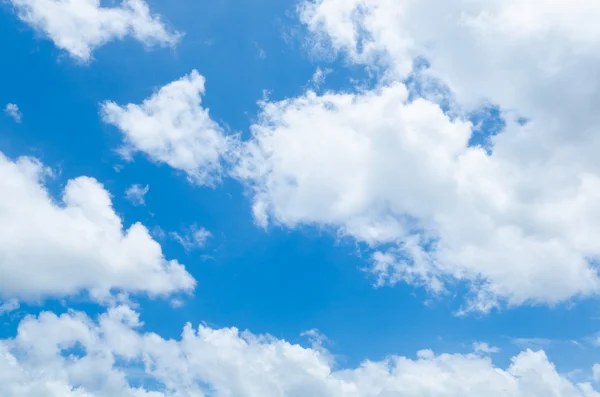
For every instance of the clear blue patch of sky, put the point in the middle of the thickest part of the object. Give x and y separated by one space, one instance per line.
487 121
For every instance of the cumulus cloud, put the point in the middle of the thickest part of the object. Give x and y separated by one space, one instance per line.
172 127
114 357
13 111
135 194
514 53
56 248
80 26
385 169
518 221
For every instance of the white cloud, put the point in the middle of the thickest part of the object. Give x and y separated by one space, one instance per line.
532 343
80 26
55 248
135 194
384 169
536 59
172 127
194 237
518 225
519 54
9 306
113 355
596 372
484 348
320 75
13 111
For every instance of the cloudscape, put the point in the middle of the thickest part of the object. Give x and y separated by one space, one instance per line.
299 198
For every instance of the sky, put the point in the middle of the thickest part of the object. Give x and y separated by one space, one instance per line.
329 198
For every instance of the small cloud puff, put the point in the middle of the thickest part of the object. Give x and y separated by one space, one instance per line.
135 194
9 306
194 238
484 348
13 111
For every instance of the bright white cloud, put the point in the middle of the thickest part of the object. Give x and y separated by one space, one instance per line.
172 127
13 111
535 58
135 194
113 355
80 26
55 248
384 169
518 225
194 237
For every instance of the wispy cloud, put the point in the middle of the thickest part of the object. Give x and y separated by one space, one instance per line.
9 306
193 238
320 75
13 111
135 194
484 348
262 54
535 343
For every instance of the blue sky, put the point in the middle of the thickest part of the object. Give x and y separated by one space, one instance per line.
289 277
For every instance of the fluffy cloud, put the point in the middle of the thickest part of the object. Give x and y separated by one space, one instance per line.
72 355
484 348
80 26
135 194
13 111
538 59
519 224
172 127
55 249
384 169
